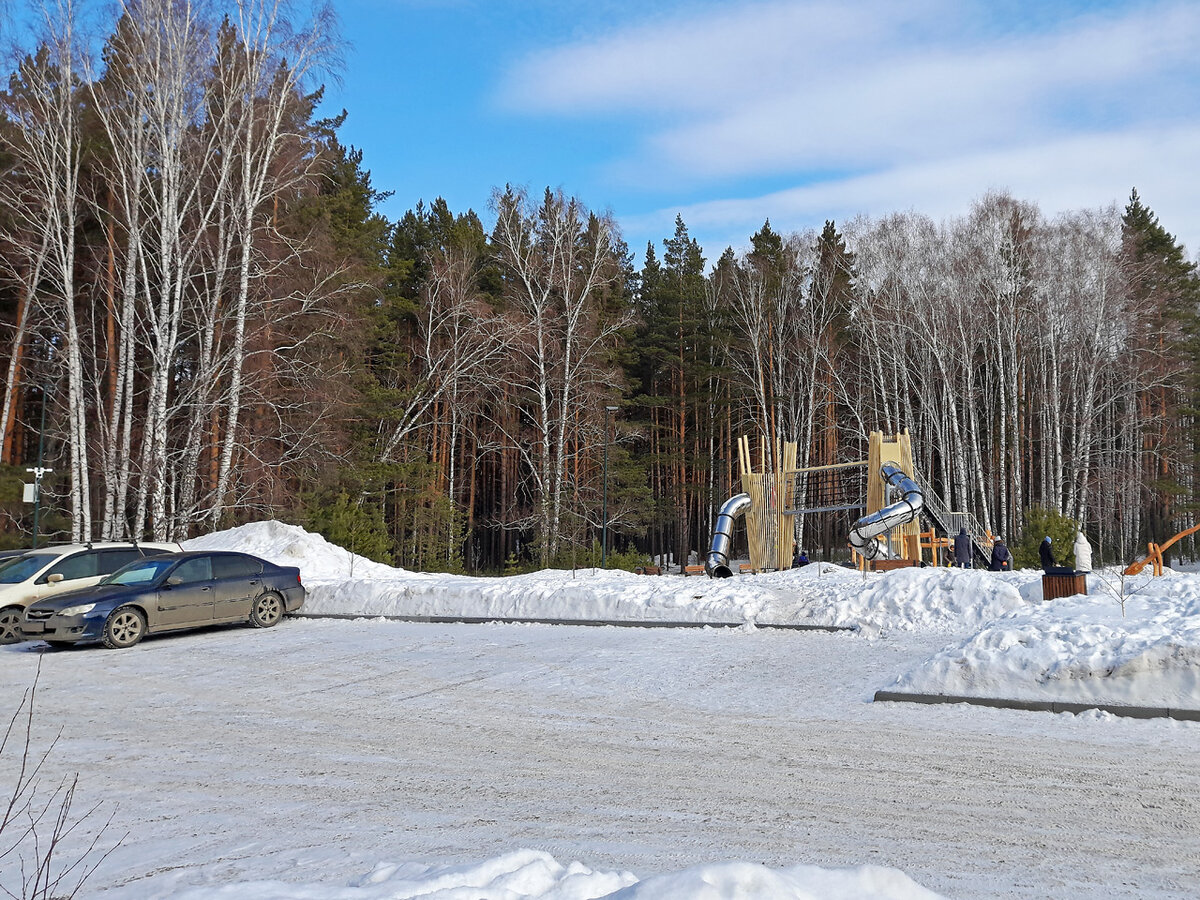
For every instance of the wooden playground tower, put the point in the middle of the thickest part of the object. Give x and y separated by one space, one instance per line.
779 492
904 540
769 519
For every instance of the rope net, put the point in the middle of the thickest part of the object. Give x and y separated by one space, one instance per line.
828 488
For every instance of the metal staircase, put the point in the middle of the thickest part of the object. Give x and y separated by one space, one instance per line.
950 522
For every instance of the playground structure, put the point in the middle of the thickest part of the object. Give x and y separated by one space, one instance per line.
890 531
766 503
1154 555
887 535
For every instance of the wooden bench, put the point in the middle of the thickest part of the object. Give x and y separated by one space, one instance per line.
693 570
747 569
648 570
1055 586
887 565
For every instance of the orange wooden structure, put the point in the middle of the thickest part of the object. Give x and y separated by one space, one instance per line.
1155 553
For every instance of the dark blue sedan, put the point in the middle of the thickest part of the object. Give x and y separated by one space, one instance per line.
167 593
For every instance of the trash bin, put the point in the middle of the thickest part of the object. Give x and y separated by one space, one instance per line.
1055 586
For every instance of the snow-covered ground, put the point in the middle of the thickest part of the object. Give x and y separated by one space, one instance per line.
369 758
1011 645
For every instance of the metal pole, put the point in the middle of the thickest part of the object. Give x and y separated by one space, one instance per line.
37 481
604 511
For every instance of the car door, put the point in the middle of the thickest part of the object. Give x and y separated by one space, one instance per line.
79 570
186 597
237 581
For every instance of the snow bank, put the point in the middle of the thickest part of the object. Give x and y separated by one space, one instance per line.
1081 650
535 874
820 594
931 599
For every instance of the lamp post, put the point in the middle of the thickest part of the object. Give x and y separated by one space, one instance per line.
604 511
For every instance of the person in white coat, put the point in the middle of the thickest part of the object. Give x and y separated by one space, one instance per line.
1083 553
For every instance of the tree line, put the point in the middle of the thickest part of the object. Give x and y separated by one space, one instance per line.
199 298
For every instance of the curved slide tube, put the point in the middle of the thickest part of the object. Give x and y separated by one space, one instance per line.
903 511
716 564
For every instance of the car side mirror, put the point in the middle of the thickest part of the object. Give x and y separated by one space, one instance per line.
174 581
55 578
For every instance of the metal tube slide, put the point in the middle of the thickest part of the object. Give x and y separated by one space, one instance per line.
716 564
904 510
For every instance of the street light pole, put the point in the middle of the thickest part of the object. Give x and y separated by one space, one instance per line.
604 511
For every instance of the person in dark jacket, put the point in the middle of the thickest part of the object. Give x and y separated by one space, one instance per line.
1046 554
962 549
1001 558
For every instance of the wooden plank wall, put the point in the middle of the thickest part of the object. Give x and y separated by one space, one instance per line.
768 529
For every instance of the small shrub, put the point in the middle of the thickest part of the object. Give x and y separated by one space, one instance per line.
1040 522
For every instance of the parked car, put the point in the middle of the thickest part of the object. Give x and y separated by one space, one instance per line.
53 570
167 593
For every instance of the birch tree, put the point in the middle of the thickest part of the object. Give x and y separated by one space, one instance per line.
44 106
563 266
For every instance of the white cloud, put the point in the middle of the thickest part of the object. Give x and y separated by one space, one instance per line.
878 105
787 86
1078 172
693 63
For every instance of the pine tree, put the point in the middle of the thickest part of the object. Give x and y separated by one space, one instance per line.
673 349
1166 291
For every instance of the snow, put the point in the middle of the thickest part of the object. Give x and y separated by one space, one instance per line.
1013 646
369 758
531 873
1081 650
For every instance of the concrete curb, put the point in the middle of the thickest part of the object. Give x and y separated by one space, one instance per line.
1054 706
611 623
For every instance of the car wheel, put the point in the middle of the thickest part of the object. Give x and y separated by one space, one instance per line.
10 621
124 628
268 610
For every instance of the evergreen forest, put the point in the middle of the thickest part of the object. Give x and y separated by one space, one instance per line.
205 321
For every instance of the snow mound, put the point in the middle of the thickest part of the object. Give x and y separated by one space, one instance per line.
532 874
932 598
291 545
1080 650
819 595
340 583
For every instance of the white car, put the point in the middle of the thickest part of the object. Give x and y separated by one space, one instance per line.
51 570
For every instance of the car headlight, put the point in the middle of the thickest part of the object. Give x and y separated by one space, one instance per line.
80 610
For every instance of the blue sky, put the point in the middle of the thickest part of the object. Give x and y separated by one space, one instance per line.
732 112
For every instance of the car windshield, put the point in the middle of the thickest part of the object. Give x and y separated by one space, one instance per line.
24 566
141 572
9 560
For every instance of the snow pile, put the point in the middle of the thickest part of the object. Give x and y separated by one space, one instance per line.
291 545
819 594
588 594
535 874
1081 650
931 599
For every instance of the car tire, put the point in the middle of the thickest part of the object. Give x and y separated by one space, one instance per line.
10 622
124 628
267 610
